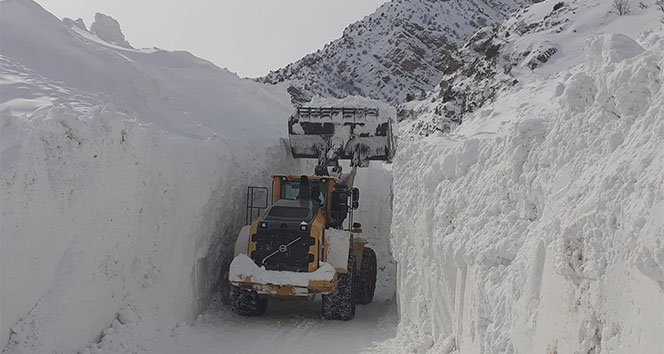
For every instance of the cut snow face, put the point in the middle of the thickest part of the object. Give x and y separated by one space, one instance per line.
535 226
123 177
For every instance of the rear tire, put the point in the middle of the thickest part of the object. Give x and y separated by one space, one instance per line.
340 304
247 303
366 280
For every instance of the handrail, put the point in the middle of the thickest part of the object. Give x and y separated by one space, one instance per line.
250 203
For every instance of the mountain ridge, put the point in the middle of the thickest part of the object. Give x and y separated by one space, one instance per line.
396 54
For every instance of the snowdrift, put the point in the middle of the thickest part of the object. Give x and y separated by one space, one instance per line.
536 226
123 174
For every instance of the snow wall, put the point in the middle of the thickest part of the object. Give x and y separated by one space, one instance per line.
123 179
102 212
538 227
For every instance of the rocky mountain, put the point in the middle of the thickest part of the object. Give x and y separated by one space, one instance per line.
396 54
493 60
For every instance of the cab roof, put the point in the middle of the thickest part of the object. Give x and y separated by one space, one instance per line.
311 178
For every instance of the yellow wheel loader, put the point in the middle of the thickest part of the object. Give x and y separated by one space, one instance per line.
306 242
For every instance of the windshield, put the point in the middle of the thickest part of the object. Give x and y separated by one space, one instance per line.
291 190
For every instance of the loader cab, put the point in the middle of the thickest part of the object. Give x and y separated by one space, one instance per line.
317 191
320 189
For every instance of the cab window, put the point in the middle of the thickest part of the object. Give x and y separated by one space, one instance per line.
291 190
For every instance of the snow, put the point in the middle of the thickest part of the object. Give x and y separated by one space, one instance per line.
536 226
123 175
290 327
532 44
341 144
384 109
243 268
338 248
399 51
122 179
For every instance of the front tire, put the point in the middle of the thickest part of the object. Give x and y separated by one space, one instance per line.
247 303
340 304
366 280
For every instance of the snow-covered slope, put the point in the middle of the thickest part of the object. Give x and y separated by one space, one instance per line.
532 43
395 54
122 176
183 94
536 226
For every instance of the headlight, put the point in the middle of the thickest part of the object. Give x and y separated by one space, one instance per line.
304 226
263 225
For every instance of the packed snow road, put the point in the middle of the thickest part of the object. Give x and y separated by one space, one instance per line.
288 327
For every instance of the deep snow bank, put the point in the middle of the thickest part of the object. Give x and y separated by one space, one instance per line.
537 225
100 212
123 175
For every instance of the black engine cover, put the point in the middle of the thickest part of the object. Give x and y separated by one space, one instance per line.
282 249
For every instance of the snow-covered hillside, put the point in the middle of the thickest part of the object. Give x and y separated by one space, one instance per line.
398 53
532 43
536 225
123 175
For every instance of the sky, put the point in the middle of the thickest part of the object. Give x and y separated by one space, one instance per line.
249 37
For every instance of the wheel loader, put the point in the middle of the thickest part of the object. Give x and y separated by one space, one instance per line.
306 242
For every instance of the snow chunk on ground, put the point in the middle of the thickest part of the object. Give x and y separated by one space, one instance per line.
337 252
611 48
108 29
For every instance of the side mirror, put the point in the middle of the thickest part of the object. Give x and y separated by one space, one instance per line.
356 194
357 225
339 200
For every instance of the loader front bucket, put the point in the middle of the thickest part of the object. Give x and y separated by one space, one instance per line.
356 134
